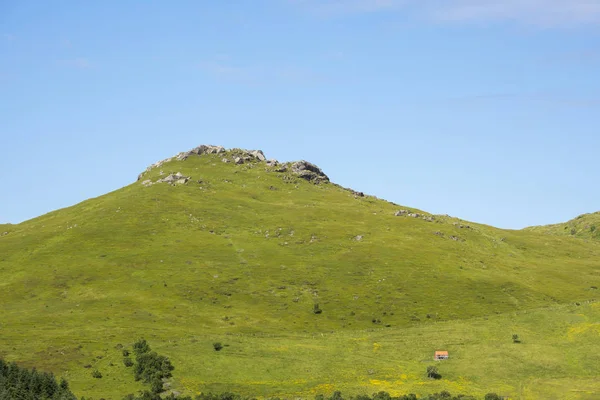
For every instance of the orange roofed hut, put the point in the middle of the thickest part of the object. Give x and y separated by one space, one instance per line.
440 355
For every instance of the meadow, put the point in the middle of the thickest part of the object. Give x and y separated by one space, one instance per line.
241 254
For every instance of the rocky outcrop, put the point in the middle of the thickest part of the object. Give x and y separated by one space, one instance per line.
172 179
200 150
302 169
258 154
309 171
405 213
461 226
177 179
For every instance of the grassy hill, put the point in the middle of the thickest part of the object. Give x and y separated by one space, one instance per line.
241 253
584 226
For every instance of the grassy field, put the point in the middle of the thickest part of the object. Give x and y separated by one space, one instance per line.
241 253
584 226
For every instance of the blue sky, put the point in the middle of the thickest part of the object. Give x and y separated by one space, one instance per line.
487 110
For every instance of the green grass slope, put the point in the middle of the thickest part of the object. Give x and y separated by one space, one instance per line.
585 226
241 254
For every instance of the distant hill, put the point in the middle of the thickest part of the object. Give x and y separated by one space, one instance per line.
304 280
584 226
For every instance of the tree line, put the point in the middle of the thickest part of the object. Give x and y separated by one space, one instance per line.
29 384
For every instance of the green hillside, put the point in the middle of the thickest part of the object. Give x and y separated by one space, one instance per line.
239 250
584 226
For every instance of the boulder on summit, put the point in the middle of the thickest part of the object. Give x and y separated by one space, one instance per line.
302 169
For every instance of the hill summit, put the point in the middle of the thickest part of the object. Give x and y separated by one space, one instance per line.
302 169
586 226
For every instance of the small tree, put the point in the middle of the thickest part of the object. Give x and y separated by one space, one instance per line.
64 385
141 347
156 385
217 346
337 395
492 396
432 372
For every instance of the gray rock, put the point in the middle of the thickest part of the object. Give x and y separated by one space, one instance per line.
358 238
207 149
400 213
147 183
309 171
225 160
177 178
183 156
238 160
272 163
258 154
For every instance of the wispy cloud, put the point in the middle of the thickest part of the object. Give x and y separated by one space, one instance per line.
79 63
224 68
585 57
349 6
547 97
531 12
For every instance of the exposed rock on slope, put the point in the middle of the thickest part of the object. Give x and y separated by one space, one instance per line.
309 171
302 169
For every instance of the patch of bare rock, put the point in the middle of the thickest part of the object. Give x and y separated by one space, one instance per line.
302 169
405 213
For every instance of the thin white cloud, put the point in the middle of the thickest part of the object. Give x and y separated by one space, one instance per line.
79 63
349 6
547 97
529 12
223 68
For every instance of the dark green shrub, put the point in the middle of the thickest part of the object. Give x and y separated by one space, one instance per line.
127 362
382 396
156 385
337 395
140 347
433 373
317 309
125 353
97 374
217 346
150 366
492 396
